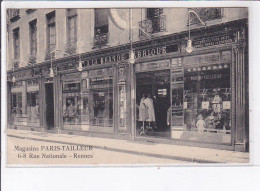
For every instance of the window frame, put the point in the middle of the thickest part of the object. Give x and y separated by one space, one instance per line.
72 17
33 37
97 26
16 43
51 26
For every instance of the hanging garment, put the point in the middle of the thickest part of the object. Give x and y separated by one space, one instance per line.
143 112
201 124
169 112
149 103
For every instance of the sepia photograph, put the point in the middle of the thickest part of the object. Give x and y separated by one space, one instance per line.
127 86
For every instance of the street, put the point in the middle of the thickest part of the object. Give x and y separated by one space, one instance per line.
26 151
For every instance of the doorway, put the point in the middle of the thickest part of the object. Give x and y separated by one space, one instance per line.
49 101
155 86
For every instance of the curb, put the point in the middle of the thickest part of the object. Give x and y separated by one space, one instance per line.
187 159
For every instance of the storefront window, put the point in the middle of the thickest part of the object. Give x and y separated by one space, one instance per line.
71 103
207 100
201 102
101 108
16 111
25 103
33 114
88 100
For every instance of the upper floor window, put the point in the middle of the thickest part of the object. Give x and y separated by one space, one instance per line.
152 13
16 43
33 38
51 31
51 34
72 25
13 14
154 23
71 31
101 27
205 14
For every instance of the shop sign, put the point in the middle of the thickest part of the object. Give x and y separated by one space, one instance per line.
101 78
32 82
105 72
165 64
71 86
138 54
101 82
208 77
120 57
205 42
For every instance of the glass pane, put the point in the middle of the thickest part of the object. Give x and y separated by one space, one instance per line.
33 111
101 17
206 104
71 108
17 110
102 107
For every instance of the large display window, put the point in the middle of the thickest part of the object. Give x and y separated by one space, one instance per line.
101 97
25 103
88 100
201 99
71 103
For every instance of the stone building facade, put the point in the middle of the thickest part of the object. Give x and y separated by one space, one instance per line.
97 72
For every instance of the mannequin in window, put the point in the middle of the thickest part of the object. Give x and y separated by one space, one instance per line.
151 115
143 114
71 111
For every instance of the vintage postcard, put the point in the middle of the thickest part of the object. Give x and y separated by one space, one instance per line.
127 86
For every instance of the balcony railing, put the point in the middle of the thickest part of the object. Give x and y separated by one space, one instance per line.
206 14
13 14
152 25
101 40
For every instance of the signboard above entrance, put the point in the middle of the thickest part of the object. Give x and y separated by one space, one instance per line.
138 54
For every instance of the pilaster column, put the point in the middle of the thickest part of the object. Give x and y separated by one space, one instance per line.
239 98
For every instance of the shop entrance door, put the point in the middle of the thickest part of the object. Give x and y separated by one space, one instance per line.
154 85
49 101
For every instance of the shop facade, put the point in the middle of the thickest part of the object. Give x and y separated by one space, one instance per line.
166 95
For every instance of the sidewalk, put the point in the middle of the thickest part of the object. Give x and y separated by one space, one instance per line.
175 152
